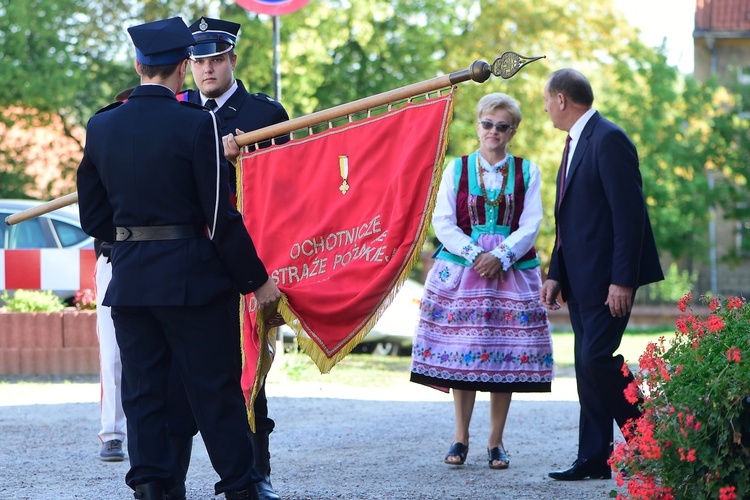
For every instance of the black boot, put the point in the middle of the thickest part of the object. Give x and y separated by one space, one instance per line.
182 447
153 490
265 489
263 466
248 494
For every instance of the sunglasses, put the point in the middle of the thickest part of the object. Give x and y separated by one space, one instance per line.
500 127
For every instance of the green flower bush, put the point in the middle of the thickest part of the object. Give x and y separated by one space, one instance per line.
693 439
32 301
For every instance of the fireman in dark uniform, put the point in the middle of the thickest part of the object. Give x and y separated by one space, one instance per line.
154 182
213 63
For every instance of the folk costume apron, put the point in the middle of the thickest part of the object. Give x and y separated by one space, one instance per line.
476 333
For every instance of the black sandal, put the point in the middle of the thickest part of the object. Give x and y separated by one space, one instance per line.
457 450
497 454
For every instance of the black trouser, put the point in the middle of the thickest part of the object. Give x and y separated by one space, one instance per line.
599 378
182 425
199 340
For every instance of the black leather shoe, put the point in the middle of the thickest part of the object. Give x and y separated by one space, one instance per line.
248 494
177 492
583 469
265 490
153 490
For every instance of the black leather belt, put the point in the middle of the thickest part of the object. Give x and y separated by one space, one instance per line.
156 233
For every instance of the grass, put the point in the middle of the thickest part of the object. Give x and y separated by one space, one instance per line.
631 347
355 369
369 370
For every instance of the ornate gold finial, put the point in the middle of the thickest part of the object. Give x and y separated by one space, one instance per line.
510 63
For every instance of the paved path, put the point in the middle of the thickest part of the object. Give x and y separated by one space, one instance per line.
331 441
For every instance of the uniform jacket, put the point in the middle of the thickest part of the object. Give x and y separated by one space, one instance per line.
152 161
246 111
604 228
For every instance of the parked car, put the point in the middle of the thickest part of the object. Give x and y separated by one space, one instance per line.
393 333
58 229
48 252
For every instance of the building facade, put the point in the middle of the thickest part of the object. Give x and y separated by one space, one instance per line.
722 48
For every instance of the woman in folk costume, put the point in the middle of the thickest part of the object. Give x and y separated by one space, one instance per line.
481 326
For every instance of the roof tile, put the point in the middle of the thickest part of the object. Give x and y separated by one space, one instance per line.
722 15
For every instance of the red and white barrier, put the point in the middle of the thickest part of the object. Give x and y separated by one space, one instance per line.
47 269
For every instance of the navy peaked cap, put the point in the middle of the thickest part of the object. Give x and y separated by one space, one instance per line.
162 42
213 36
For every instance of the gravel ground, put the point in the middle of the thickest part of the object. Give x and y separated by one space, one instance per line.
331 441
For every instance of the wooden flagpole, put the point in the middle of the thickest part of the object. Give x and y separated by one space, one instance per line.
479 71
505 66
41 209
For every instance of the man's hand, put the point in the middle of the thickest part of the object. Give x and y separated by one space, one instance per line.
619 300
231 148
267 294
548 295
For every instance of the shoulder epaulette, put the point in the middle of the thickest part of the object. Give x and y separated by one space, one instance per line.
260 96
109 107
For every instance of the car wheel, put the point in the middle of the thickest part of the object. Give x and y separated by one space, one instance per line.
385 349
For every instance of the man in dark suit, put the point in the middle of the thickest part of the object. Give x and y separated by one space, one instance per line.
238 111
604 250
153 180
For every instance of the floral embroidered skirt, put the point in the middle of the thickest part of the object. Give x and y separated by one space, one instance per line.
482 334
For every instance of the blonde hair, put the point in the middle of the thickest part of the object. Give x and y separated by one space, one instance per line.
491 102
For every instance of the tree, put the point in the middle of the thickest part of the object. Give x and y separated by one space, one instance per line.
682 129
58 65
336 51
68 58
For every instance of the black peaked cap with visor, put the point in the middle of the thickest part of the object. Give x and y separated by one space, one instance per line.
213 37
161 43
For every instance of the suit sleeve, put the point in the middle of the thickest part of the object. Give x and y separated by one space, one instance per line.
622 185
553 272
280 115
229 235
93 206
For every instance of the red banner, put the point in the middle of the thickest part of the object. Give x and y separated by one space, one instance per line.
339 218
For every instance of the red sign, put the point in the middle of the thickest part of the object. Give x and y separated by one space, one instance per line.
272 7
